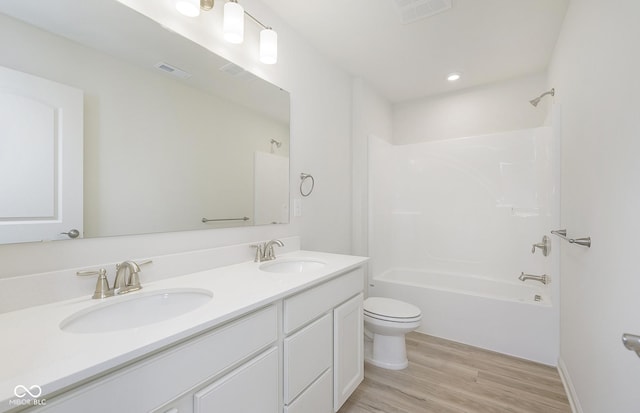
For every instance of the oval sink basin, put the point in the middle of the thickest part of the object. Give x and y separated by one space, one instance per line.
135 311
293 265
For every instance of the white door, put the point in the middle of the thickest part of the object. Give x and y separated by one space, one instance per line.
348 352
271 189
41 130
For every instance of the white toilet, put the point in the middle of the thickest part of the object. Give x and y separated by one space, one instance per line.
386 321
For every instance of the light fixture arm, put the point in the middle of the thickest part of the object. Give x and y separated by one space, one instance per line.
257 21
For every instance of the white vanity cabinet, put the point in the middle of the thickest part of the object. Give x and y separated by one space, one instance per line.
323 357
301 353
217 363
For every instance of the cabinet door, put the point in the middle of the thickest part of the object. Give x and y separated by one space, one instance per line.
348 356
307 354
251 388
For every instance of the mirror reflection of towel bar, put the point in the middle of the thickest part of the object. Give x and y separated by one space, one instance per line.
205 220
562 233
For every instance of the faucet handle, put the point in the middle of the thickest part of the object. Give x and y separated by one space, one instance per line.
102 286
101 271
545 246
259 252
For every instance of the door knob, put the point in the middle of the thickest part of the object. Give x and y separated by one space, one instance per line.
631 342
73 233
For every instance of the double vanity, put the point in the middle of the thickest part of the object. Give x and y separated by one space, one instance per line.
278 336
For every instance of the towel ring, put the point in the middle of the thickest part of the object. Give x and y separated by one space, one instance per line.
304 177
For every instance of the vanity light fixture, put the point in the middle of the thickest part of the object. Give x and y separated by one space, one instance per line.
233 25
190 8
268 46
452 77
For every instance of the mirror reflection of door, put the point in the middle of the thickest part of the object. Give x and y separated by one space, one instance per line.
40 158
271 189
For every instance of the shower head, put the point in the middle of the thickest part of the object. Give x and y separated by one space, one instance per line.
278 143
535 101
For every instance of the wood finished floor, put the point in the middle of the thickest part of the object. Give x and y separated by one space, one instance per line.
445 376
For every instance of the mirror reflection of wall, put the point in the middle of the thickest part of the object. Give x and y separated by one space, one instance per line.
160 152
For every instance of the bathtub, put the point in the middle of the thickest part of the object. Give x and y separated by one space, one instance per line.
513 318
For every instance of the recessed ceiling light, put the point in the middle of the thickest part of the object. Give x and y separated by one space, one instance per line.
452 77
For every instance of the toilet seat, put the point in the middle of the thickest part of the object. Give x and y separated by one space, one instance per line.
388 309
386 321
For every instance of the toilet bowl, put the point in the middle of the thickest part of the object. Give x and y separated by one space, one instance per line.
386 321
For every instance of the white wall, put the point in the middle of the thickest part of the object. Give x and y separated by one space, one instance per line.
371 116
469 206
320 145
497 107
594 71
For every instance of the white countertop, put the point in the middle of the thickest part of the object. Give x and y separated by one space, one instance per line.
35 351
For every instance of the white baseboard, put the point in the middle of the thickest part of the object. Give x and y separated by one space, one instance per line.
568 387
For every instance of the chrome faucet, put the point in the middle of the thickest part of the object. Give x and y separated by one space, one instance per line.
269 253
544 278
265 251
122 284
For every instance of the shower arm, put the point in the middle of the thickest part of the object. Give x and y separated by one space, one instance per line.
551 92
535 101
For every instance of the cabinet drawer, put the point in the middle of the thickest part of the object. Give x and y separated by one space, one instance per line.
307 305
172 371
316 399
251 388
307 354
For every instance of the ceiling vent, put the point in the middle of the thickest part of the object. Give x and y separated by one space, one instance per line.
172 70
232 69
414 10
238 72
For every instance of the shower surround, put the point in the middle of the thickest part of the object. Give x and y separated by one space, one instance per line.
452 224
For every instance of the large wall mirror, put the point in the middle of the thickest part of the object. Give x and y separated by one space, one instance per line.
166 134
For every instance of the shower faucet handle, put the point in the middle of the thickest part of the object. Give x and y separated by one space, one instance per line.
545 246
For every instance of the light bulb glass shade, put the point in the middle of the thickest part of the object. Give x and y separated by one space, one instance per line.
233 25
452 77
268 46
190 8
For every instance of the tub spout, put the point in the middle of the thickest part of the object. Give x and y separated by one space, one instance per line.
544 278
